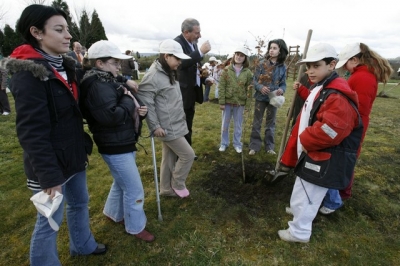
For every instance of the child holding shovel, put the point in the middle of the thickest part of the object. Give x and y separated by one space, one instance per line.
327 133
366 68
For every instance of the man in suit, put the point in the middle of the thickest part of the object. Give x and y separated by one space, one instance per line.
189 75
76 54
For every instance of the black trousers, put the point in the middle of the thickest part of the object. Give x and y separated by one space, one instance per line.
4 103
189 122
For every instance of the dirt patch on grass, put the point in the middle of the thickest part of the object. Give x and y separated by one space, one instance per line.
255 192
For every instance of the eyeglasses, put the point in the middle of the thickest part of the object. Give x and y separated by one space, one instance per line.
116 64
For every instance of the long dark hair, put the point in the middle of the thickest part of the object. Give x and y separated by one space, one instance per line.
36 16
172 74
283 50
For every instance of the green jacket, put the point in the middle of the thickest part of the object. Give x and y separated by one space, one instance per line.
232 89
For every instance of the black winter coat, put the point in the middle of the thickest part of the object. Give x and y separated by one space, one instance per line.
109 113
49 122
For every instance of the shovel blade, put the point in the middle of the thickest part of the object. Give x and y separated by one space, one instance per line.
275 177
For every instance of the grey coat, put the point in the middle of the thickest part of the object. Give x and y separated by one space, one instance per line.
164 103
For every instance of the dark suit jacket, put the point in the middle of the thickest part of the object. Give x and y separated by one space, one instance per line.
73 55
188 72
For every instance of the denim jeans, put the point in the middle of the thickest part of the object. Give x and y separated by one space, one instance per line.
207 93
128 77
237 113
43 249
332 199
126 197
269 134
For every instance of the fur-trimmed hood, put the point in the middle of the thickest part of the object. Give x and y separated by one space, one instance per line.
26 58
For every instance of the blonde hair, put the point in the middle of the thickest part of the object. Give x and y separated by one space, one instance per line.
376 64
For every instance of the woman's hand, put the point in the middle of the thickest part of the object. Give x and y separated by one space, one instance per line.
279 92
264 90
222 107
133 85
142 110
159 132
52 191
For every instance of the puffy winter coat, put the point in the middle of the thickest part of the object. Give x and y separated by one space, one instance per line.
335 113
49 122
164 103
109 113
232 88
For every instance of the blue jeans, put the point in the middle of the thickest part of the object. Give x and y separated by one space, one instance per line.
269 134
332 199
43 249
237 113
128 77
126 197
207 93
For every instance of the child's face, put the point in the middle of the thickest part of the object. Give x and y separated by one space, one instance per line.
172 61
112 65
319 70
239 57
351 64
273 51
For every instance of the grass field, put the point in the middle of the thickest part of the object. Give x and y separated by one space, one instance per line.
225 221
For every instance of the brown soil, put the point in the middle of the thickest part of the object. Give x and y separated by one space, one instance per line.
226 181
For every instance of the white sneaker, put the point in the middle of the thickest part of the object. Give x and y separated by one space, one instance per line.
252 152
325 210
271 152
238 149
222 148
6 113
285 235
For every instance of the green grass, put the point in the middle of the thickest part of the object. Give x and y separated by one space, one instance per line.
225 221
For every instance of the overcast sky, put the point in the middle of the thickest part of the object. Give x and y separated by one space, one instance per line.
142 25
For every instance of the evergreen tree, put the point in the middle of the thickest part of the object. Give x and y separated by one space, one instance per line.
1 42
11 40
97 31
84 29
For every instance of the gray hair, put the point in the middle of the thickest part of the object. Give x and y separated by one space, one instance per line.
188 24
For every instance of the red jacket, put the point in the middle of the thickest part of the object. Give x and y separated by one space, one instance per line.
364 83
336 112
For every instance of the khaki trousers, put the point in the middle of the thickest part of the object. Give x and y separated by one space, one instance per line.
177 160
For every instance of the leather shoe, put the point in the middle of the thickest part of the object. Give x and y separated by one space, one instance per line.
101 249
145 236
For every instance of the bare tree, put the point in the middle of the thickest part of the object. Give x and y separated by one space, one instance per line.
38 2
3 11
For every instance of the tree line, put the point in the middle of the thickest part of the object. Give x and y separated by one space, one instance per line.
85 31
